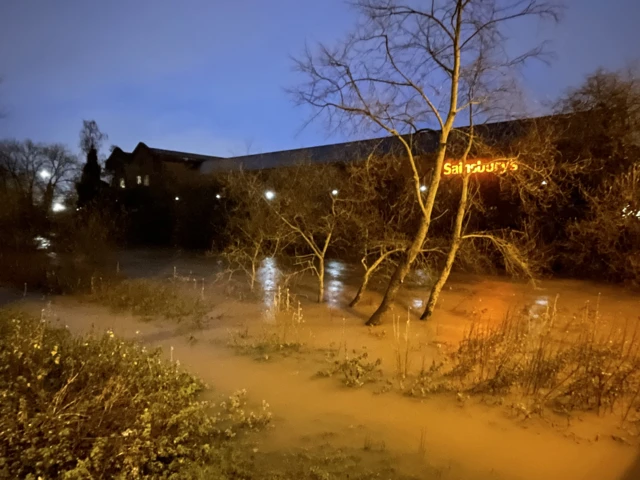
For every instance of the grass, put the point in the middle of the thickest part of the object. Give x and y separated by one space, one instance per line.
576 364
402 346
152 298
99 407
280 332
356 371
323 462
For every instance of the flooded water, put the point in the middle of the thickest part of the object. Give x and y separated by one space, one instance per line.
463 440
482 297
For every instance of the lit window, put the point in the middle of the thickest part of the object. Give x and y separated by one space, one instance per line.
139 179
146 180
122 184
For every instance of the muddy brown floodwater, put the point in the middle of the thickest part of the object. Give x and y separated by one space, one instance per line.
465 440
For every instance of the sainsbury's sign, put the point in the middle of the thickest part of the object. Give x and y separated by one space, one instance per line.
480 166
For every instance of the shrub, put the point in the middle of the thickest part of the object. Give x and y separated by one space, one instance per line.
151 298
578 364
356 371
100 407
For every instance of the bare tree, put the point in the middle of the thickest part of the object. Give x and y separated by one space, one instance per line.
91 137
607 241
298 207
38 172
306 200
600 224
58 170
20 163
254 232
383 210
403 68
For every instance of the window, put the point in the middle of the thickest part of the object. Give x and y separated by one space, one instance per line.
139 179
122 184
146 180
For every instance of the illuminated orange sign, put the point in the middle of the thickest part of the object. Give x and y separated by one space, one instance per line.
480 166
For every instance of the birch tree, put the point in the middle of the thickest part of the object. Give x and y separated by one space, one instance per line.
403 69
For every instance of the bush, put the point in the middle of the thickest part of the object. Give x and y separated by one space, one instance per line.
575 364
100 407
151 298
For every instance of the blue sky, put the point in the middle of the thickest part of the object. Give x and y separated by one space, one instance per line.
208 76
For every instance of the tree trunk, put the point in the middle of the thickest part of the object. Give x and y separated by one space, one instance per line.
418 240
321 280
253 274
456 239
401 271
363 287
367 275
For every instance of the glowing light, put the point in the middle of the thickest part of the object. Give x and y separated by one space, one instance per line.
43 243
544 182
58 207
627 211
218 196
334 192
499 165
423 188
45 174
269 195
177 198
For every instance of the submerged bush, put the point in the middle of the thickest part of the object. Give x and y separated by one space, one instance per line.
100 407
579 364
151 298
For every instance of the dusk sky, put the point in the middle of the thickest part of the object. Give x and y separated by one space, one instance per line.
208 76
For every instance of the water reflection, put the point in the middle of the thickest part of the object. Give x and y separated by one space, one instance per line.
422 277
269 278
335 282
42 243
539 307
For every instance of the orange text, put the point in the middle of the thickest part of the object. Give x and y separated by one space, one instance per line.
480 166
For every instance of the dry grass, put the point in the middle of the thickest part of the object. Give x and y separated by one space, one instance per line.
581 363
280 332
402 346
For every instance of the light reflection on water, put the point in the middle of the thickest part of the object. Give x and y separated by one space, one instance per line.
539 307
269 277
334 271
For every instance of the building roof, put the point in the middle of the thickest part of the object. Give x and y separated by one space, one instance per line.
424 141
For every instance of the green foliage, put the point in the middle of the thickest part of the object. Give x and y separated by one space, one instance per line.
152 298
99 407
356 371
